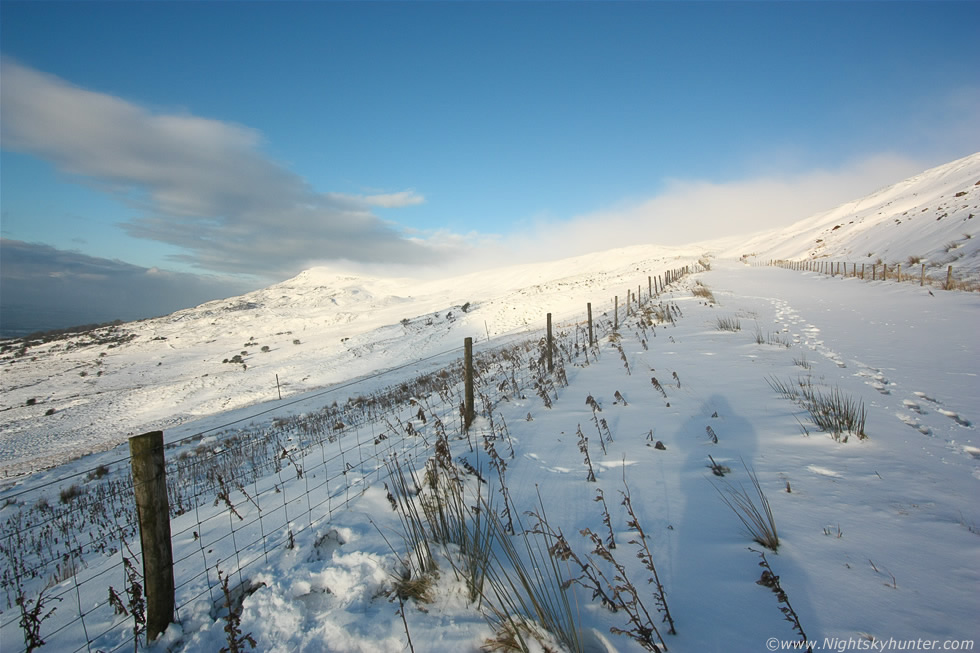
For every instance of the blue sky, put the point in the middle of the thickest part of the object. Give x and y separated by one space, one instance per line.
237 143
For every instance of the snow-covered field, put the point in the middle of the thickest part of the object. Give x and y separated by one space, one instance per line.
879 537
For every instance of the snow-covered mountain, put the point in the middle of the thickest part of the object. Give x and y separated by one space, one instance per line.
930 218
89 392
877 522
86 393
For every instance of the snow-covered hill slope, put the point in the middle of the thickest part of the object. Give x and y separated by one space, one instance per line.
932 218
86 393
319 328
878 535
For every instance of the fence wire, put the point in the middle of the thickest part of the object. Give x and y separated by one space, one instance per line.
242 491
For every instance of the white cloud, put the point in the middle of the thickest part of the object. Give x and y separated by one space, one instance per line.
692 210
394 200
202 184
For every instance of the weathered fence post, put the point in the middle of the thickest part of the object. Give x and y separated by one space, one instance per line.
153 513
650 286
949 277
922 275
591 337
468 408
551 346
898 271
616 313
884 272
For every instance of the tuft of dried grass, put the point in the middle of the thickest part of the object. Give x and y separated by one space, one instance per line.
701 290
754 512
729 324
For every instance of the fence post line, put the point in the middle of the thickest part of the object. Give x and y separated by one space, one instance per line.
153 513
468 411
551 345
588 307
922 275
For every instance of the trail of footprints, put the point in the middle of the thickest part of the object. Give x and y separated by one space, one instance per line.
809 335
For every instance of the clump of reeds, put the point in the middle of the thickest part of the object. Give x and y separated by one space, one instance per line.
833 411
701 290
752 509
728 324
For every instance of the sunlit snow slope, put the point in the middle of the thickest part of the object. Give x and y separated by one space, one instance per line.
314 330
91 391
932 217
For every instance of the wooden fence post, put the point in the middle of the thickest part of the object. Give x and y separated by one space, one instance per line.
862 272
468 409
616 313
551 346
650 286
591 337
898 271
922 275
949 277
153 513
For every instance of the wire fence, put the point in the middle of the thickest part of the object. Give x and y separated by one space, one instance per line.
244 491
912 271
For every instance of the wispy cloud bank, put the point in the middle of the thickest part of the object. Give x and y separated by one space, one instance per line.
200 184
689 210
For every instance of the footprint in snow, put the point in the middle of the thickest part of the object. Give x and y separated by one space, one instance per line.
955 417
914 423
913 406
922 395
878 381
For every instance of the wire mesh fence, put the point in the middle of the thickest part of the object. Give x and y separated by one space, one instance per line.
242 492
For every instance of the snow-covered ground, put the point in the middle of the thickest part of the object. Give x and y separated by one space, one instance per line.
879 537
318 329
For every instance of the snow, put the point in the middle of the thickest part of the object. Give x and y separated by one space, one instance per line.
879 537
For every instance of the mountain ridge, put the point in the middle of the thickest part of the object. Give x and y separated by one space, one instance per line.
87 392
